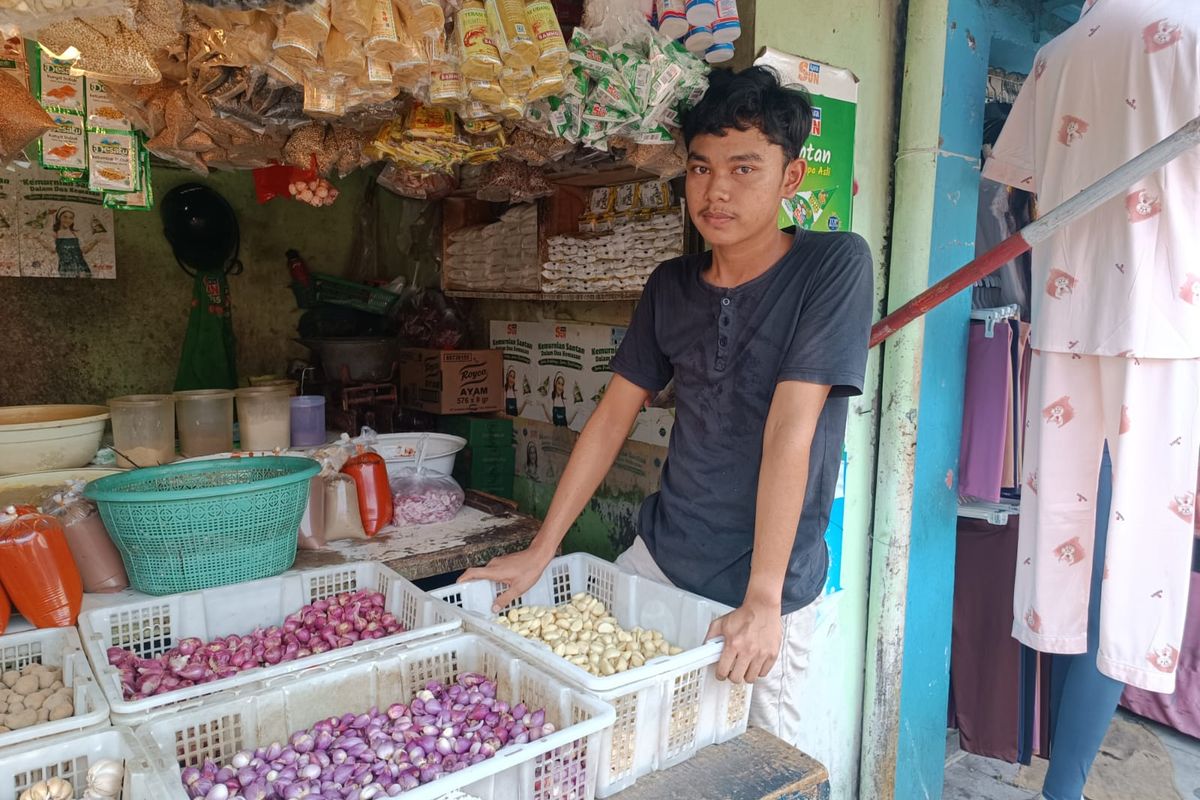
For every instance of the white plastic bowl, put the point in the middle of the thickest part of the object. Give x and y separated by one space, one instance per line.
399 451
49 437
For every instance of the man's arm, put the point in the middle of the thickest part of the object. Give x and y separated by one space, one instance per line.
753 632
594 454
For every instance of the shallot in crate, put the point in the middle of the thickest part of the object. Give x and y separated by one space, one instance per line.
150 655
653 663
454 713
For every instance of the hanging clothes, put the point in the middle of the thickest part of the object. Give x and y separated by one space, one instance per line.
1002 212
208 359
987 404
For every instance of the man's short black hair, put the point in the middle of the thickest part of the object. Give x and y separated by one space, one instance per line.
752 98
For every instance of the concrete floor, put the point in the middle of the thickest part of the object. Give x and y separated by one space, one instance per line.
971 777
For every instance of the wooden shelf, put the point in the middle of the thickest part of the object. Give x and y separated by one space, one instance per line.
547 297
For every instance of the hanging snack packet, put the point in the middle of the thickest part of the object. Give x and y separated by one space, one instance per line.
423 17
102 110
545 85
514 40
487 92
480 58
65 145
352 17
324 96
446 86
552 47
342 56
516 82
113 160
383 42
511 108
428 122
143 198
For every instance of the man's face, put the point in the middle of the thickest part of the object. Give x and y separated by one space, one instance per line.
735 183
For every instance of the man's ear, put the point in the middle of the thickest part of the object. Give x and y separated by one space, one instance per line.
793 176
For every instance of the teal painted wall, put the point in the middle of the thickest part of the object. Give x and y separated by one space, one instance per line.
862 36
85 341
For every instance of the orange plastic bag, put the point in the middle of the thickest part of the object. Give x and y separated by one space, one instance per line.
369 472
38 572
5 610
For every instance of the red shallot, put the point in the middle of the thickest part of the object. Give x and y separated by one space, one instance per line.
381 753
329 624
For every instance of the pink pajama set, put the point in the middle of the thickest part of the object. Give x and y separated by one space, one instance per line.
1116 337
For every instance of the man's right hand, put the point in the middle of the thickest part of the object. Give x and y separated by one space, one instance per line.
518 571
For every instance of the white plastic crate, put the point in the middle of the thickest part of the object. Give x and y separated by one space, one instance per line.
69 757
667 709
55 647
560 766
151 627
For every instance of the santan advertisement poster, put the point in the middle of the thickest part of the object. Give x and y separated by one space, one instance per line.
826 197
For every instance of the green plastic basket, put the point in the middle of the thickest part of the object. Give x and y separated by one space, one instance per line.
196 525
339 292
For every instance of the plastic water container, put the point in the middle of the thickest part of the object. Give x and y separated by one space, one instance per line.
698 40
205 421
701 13
672 18
264 417
308 420
728 26
719 53
143 429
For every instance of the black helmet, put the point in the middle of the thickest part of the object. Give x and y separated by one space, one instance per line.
201 228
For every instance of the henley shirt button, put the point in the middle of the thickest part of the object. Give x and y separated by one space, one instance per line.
724 301
723 340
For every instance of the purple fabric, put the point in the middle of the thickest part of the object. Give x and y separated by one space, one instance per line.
985 409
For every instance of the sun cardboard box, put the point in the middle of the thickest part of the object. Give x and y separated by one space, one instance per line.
451 381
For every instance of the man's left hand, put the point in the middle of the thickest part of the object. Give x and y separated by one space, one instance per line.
753 635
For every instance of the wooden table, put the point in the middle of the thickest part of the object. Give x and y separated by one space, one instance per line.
755 766
484 529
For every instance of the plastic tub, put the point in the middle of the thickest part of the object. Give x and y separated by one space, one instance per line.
35 487
399 450
205 421
151 627
308 421
143 429
41 438
69 757
264 417
560 766
270 381
54 647
668 709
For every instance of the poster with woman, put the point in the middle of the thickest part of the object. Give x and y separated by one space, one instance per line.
65 232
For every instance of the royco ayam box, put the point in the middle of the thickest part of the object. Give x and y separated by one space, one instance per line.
518 342
451 381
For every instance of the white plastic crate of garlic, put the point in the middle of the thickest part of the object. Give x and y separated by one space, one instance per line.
584 633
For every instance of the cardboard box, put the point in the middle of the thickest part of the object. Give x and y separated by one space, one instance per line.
451 381
518 341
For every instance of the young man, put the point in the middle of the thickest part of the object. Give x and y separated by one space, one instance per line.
766 338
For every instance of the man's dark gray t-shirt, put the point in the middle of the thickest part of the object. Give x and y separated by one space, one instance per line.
806 319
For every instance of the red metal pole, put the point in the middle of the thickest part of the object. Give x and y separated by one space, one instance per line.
1064 214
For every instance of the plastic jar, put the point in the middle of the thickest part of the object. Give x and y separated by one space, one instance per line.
308 420
205 421
264 418
143 429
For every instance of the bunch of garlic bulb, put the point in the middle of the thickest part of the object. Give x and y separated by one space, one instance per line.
318 192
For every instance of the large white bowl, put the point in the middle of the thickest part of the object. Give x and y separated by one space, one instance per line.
32 488
42 438
399 450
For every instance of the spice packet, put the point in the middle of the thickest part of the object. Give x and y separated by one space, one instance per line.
102 111
430 122
56 86
113 161
143 198
65 146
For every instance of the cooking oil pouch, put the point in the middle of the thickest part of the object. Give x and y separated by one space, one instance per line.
65 145
113 161
610 91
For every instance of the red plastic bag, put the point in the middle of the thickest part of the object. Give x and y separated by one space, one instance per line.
273 181
38 572
5 610
369 472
